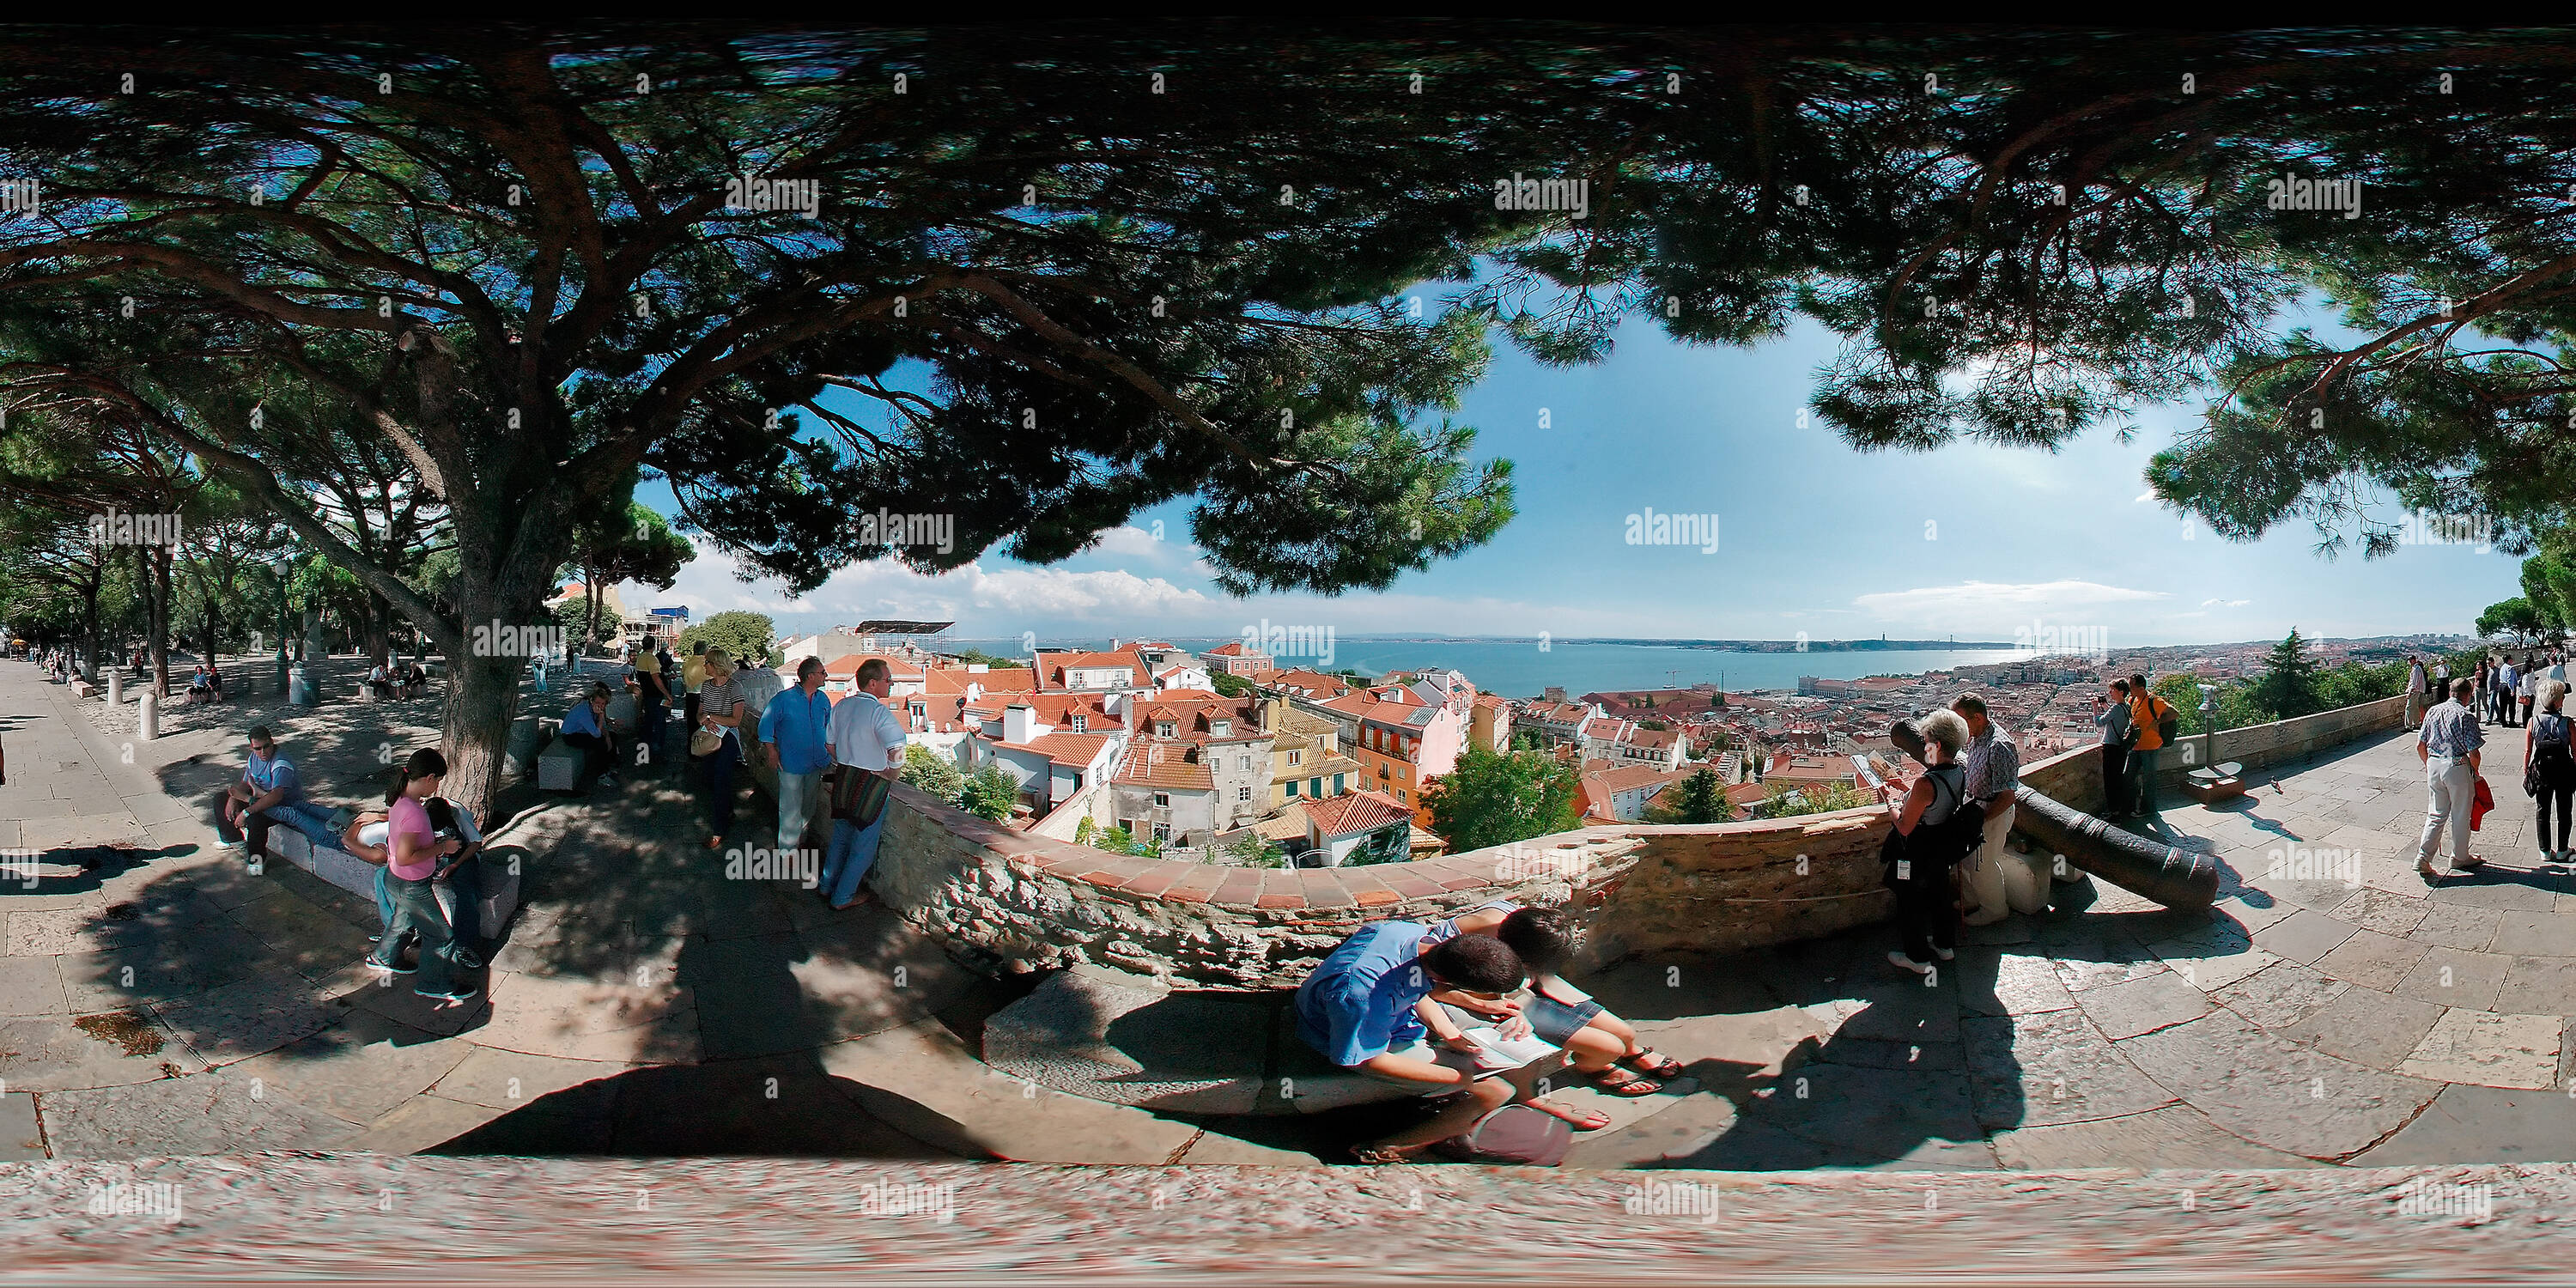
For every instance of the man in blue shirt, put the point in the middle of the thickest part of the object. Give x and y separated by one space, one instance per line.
1357 1010
587 726
268 792
795 734
2451 746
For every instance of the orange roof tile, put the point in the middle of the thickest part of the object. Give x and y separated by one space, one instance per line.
1358 811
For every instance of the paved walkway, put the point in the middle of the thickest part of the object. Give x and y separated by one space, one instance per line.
157 998
2332 1009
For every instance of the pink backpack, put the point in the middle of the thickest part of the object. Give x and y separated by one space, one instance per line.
1513 1134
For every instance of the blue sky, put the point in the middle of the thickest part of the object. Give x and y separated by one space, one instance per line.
1978 542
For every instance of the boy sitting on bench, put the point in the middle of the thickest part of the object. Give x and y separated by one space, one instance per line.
1358 1009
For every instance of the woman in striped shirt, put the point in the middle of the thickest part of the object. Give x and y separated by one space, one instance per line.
720 708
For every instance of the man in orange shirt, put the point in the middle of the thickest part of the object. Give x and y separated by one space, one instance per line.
2145 709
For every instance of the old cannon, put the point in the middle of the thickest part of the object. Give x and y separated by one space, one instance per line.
2172 877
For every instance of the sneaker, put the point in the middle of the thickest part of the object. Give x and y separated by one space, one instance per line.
1946 954
1897 957
387 968
465 958
455 993
608 780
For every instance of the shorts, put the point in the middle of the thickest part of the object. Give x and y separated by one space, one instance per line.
1551 1021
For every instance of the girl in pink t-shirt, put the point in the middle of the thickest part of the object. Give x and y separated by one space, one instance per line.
414 850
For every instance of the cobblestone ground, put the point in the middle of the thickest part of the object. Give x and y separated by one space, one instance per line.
270 1217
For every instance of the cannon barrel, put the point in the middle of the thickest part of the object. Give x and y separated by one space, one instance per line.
2172 877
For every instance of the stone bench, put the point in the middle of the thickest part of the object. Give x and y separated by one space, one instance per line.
358 877
84 689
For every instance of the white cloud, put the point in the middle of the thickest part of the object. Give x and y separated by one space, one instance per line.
2225 603
2144 496
1131 542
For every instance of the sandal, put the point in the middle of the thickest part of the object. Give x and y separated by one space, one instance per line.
1652 1063
1375 1157
1626 1084
1578 1119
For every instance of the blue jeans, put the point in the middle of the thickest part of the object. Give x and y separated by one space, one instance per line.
853 852
466 883
416 913
2142 767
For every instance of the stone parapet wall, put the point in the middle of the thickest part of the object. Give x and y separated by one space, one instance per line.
2076 777
1007 901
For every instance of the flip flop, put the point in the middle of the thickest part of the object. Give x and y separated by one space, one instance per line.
1629 1086
1652 1063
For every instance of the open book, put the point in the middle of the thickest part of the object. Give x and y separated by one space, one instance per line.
1494 1054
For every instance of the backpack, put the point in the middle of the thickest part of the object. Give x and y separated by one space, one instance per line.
1936 846
2168 721
1513 1134
2551 761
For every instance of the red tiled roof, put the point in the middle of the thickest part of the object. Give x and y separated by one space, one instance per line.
895 666
1153 762
1305 683
1357 811
950 681
1233 648
1061 748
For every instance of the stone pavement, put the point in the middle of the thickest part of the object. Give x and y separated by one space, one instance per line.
158 998
2331 1009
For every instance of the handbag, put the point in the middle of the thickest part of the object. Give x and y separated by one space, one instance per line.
858 796
704 742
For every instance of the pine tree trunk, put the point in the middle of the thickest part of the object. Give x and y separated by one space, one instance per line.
379 629
156 561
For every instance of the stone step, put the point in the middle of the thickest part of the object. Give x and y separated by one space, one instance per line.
924 1082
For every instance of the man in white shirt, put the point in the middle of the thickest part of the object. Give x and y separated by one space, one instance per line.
2414 692
865 737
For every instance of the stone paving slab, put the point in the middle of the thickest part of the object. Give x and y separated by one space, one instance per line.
213 1114
2455 977
2488 1049
2174 1136
2142 1005
357 1071
2274 1093
2467 1124
2279 995
2372 960
2367 1027
21 1136
2050 1068
2303 936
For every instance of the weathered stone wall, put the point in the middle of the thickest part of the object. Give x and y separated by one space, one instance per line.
1009 901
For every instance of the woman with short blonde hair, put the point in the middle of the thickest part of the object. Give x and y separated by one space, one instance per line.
720 710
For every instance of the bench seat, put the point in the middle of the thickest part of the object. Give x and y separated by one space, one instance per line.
358 877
